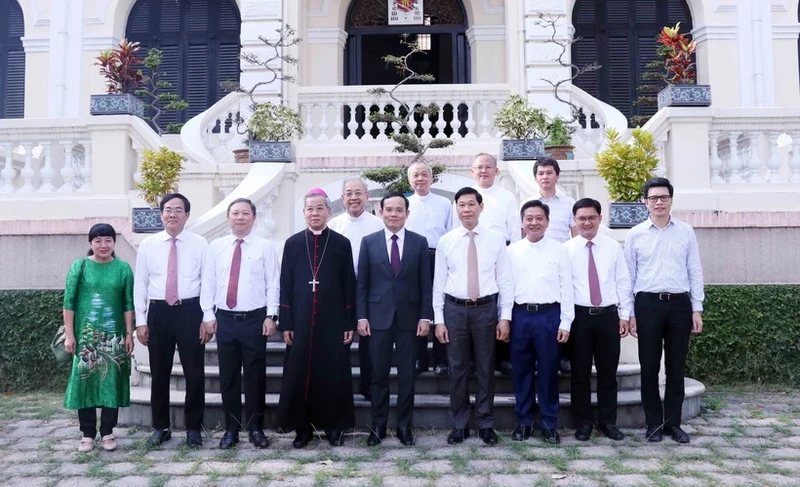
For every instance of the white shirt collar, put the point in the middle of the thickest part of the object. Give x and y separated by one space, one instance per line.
595 240
356 218
478 229
559 194
535 244
181 236
248 239
401 234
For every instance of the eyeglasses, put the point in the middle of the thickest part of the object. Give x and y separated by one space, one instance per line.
357 194
171 211
584 219
662 197
483 168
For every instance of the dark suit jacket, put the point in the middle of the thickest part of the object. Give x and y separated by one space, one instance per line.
380 295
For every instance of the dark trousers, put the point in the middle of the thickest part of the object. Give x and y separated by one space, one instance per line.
405 341
471 328
87 417
594 337
364 365
663 324
439 348
242 347
170 326
534 348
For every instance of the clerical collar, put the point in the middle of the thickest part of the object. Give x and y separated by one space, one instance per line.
534 244
317 232
356 218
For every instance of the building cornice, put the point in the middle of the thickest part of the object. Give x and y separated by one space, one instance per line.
714 32
100 43
786 31
486 33
330 35
36 44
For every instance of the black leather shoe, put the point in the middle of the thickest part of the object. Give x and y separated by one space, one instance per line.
611 432
457 436
564 366
258 439
654 434
405 436
229 439
441 369
677 434
364 391
194 439
584 433
375 436
504 367
419 368
551 436
159 437
302 439
335 437
521 433
488 436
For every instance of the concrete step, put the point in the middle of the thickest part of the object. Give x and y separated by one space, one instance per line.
431 410
628 378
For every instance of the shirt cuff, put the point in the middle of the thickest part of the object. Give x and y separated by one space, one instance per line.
565 325
141 320
438 317
209 315
363 319
425 319
624 314
505 314
272 311
697 306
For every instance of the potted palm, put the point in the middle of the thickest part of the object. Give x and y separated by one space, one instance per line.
524 126
559 140
160 170
681 71
626 166
122 80
270 130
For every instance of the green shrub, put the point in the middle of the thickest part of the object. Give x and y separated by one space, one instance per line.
28 321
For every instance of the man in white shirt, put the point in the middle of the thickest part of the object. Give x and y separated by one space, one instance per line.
602 293
472 286
355 224
170 270
429 215
244 284
541 320
561 225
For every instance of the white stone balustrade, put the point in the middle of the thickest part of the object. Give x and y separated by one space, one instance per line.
211 136
596 117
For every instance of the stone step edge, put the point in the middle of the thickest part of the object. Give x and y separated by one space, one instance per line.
693 388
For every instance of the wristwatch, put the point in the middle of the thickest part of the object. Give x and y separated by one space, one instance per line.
273 317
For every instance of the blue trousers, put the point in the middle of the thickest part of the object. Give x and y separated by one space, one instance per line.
534 347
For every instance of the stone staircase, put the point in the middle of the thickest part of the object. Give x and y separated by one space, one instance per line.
431 401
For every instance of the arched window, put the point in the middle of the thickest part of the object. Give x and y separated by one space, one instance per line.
620 36
370 37
12 60
200 44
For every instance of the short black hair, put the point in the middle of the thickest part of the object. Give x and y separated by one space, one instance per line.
534 204
658 183
586 203
394 194
242 200
544 162
468 190
187 207
102 230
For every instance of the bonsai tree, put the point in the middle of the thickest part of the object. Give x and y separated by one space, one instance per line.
517 119
558 133
155 98
627 166
117 67
160 170
395 178
272 123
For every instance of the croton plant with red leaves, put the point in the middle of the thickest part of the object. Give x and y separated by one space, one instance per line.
117 66
677 51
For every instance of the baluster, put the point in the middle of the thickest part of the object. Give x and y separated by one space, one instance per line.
368 123
412 121
67 171
774 162
137 175
382 125
338 125
715 162
222 139
208 134
323 122
308 127
46 172
86 170
661 168
485 120
426 122
794 162
9 173
27 172
734 162
470 123
352 124
754 163
441 123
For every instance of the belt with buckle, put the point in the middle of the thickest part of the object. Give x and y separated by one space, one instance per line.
472 303
432 251
179 302
665 296
596 310
243 315
536 307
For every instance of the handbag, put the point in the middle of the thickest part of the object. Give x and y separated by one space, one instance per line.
57 344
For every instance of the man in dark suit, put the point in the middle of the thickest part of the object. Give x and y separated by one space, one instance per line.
394 306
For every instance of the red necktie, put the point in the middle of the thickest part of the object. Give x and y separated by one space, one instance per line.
233 280
594 281
171 294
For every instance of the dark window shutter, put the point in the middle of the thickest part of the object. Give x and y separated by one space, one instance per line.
228 17
584 54
15 85
584 13
16 23
139 19
619 75
617 11
198 15
170 15
678 11
197 79
170 71
646 11
12 60
228 65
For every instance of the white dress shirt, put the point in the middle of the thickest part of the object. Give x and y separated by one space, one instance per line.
494 273
401 238
430 216
612 272
561 219
150 278
500 212
355 229
665 261
542 274
259 274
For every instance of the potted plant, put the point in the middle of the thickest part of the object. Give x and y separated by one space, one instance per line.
681 71
626 166
524 126
122 79
160 170
158 101
270 130
559 140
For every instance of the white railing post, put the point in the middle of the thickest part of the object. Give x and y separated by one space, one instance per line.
323 122
794 162
67 171
774 161
9 173
352 124
382 125
308 127
338 124
86 170
46 172
27 172
485 119
470 123
715 163
754 163
137 175
734 162
440 122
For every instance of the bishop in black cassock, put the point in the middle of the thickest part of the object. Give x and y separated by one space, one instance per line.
317 318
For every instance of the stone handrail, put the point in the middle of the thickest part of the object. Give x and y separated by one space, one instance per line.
599 116
210 137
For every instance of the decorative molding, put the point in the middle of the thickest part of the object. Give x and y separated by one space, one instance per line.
786 31
100 42
716 32
779 6
36 44
720 7
100 18
320 12
486 33
536 6
488 9
261 9
330 35
38 20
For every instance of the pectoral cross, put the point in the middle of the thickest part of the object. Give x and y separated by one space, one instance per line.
313 283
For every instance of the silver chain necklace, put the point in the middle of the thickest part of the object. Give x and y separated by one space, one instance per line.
314 273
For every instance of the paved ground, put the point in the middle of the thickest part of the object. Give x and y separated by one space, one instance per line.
741 439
